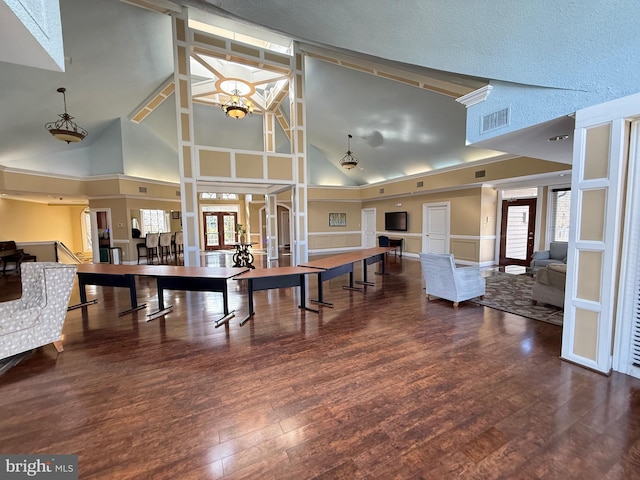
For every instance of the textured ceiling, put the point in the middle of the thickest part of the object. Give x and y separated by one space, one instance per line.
118 54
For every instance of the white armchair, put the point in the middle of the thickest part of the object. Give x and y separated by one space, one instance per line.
444 280
36 318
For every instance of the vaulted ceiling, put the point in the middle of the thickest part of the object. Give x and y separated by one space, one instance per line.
404 117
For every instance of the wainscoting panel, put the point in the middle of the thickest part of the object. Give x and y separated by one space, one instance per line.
465 249
330 241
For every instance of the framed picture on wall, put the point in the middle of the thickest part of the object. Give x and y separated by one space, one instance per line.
175 215
337 219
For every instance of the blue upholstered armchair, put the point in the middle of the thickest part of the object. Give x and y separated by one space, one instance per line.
36 318
444 280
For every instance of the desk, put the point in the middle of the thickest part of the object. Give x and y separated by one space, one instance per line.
168 277
395 243
277 277
336 265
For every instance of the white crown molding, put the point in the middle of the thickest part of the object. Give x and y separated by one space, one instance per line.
477 96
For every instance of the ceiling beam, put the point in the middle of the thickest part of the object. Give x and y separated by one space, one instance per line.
444 83
153 101
161 6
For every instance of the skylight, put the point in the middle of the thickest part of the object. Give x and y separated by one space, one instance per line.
221 32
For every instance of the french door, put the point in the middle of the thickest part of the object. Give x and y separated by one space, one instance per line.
219 230
517 231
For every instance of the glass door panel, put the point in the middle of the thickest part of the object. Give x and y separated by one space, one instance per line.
229 222
211 233
517 232
219 230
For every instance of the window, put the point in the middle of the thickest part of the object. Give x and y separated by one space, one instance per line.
154 221
218 196
221 208
87 242
560 213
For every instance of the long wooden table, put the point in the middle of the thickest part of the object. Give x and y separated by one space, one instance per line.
107 275
337 265
168 277
193 279
277 277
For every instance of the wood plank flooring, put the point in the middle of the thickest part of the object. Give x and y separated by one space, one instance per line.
383 386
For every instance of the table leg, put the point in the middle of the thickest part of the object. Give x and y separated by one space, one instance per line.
303 298
82 287
383 262
351 286
83 291
133 296
161 308
320 300
364 275
160 296
227 314
250 293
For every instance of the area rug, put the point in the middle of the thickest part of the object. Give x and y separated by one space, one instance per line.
512 293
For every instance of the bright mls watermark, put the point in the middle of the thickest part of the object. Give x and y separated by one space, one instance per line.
51 467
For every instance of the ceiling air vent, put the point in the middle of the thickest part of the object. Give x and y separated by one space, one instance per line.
481 173
495 120
142 189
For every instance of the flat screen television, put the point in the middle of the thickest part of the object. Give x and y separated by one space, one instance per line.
395 221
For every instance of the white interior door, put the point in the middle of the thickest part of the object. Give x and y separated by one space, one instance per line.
368 227
435 227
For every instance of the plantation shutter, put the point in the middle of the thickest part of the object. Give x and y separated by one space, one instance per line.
635 346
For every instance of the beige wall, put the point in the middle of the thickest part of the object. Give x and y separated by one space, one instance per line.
322 236
466 209
255 234
39 222
123 209
488 220
470 207
41 184
518 167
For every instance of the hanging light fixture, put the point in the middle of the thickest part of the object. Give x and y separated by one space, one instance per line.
65 129
349 160
237 107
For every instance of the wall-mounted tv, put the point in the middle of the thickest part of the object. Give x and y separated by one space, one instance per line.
395 221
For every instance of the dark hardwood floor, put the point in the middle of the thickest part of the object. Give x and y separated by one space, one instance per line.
383 386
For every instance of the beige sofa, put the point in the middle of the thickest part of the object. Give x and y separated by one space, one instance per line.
549 285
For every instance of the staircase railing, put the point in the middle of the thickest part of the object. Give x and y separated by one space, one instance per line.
63 252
